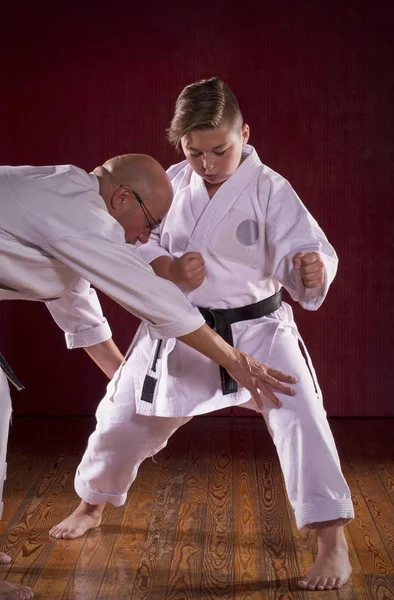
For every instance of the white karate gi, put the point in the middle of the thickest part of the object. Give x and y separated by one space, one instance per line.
56 236
248 234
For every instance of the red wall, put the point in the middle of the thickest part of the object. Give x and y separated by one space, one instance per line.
315 81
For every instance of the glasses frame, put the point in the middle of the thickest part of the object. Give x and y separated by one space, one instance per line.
152 223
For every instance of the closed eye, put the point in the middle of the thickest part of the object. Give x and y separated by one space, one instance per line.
220 153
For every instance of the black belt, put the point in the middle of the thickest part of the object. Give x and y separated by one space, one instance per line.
221 320
9 373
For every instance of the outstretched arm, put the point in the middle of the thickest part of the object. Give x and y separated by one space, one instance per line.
107 356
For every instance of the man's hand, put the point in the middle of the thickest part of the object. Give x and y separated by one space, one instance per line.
188 270
254 376
311 268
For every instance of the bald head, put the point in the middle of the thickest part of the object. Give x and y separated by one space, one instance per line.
121 175
141 173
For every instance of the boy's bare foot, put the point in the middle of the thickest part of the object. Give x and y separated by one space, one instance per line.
85 517
14 591
332 567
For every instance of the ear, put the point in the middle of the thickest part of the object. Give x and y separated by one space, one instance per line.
120 199
245 132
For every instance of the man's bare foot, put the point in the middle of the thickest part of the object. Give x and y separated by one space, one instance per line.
14 591
4 558
85 517
332 567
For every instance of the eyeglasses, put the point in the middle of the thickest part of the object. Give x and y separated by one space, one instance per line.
152 223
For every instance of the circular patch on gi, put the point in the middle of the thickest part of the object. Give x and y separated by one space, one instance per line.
247 232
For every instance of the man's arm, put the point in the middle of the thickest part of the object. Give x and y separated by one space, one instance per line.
107 356
247 371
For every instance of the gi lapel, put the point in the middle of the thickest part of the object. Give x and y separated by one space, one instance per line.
214 210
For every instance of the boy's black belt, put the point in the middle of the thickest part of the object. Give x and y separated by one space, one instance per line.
221 320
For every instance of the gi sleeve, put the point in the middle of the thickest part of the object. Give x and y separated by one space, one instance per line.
290 228
117 269
152 249
79 314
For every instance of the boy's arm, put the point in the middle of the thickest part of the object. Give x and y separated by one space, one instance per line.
292 230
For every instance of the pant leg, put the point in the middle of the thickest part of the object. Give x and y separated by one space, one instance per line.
5 416
121 441
315 485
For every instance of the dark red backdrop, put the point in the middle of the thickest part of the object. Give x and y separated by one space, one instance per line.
315 81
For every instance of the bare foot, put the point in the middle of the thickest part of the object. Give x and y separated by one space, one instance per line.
14 591
332 567
85 517
4 558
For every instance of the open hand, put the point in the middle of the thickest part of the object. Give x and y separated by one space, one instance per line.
254 376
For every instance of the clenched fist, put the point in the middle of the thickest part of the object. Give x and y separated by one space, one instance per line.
311 268
188 270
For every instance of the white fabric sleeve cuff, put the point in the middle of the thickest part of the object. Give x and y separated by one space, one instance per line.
89 337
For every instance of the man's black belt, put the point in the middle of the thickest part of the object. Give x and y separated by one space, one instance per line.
221 320
9 373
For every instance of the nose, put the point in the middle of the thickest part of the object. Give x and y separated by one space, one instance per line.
207 164
144 235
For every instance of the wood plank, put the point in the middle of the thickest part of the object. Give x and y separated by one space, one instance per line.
381 586
186 566
281 563
208 520
249 560
123 563
218 561
86 578
153 572
27 534
375 500
375 435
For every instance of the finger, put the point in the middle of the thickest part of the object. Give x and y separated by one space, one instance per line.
270 396
313 281
193 256
193 268
312 273
310 258
297 260
277 385
281 376
196 282
256 396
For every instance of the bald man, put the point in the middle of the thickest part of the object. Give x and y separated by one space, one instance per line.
63 229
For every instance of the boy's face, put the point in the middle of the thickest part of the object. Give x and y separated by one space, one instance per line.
215 154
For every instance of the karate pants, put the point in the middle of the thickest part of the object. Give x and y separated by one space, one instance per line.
315 484
5 417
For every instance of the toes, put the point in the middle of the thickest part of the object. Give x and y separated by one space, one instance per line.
312 583
321 584
302 583
330 583
57 533
337 584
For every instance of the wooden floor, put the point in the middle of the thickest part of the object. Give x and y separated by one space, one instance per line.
208 520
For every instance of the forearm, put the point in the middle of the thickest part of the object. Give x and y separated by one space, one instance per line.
162 267
211 345
107 356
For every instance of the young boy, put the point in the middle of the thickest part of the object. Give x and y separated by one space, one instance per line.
235 234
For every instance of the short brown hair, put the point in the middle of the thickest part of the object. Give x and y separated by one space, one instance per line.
206 104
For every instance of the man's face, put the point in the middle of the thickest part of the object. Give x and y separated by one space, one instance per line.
139 220
215 154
